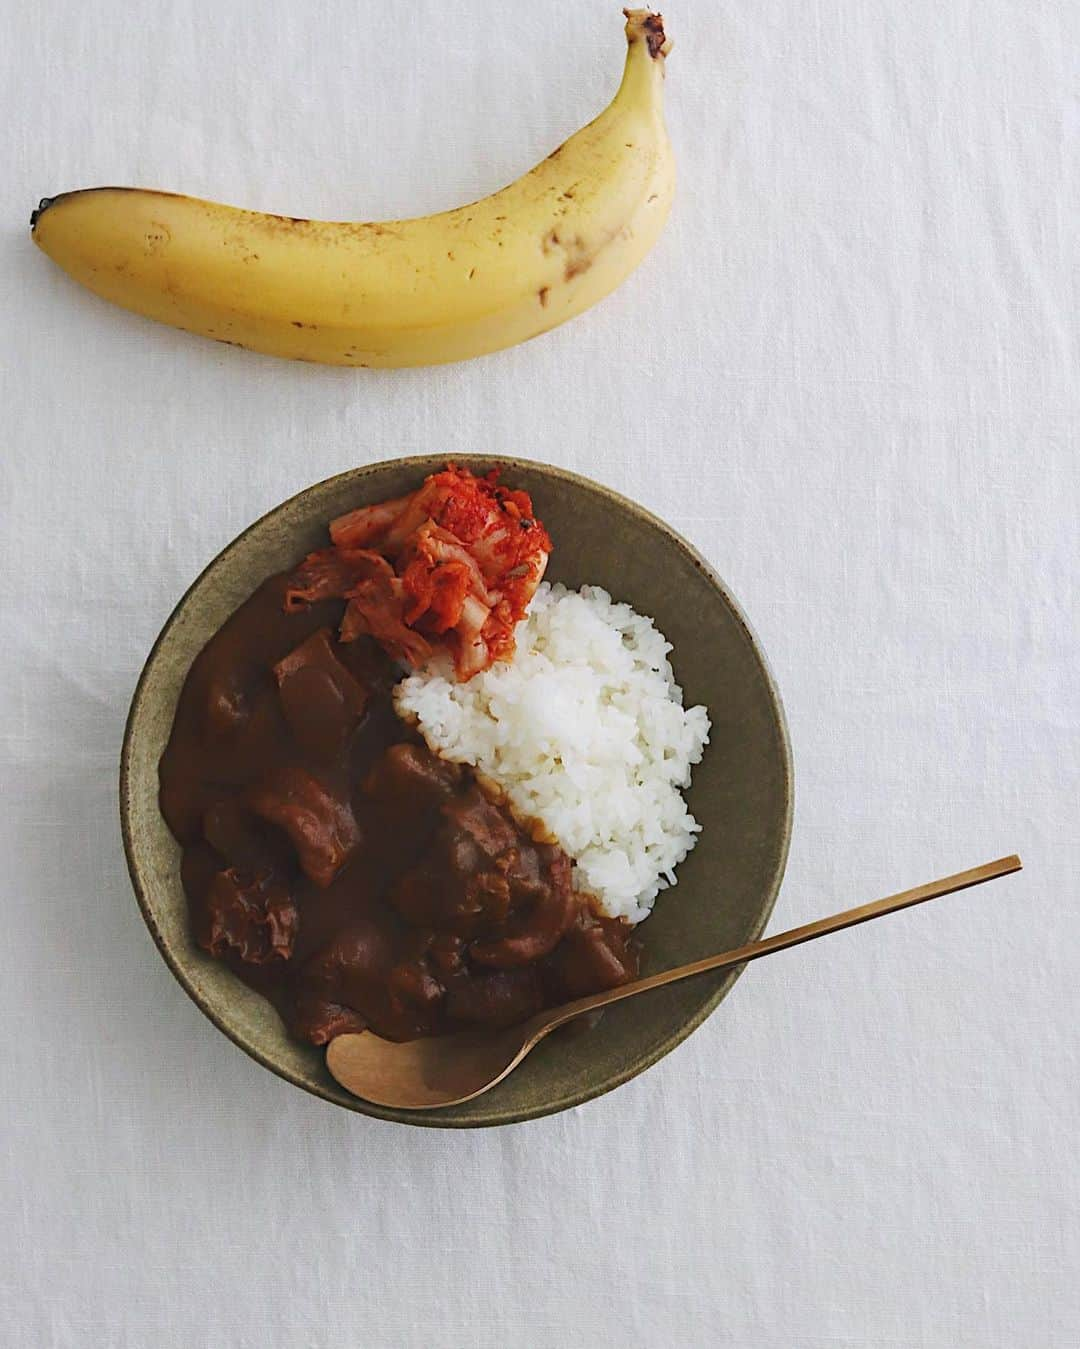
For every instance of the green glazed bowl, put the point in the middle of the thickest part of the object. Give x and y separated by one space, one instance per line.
741 793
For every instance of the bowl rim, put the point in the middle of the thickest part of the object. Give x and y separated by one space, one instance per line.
579 1095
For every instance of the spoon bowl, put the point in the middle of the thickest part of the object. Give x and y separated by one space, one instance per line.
431 1072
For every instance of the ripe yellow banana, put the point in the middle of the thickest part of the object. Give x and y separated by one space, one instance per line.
398 292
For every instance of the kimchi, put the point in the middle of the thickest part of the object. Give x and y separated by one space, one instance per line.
449 568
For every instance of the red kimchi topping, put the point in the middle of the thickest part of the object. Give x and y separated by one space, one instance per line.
451 567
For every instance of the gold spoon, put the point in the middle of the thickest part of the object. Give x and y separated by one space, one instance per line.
437 1071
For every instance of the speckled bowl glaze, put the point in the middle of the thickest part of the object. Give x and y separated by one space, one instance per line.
741 793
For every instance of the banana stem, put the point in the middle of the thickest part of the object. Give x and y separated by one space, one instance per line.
642 25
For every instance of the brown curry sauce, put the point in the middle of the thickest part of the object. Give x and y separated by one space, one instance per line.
341 869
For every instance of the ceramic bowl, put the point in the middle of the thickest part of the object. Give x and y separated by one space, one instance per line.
741 792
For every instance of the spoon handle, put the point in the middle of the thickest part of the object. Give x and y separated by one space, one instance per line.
795 936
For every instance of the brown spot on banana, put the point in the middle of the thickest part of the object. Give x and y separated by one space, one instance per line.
157 237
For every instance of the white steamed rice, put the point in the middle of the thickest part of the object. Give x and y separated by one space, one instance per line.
585 731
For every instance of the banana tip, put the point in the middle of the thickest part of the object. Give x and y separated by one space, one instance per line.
39 210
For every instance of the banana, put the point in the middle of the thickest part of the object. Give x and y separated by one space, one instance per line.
424 291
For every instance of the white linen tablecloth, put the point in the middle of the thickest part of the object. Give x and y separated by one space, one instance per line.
849 374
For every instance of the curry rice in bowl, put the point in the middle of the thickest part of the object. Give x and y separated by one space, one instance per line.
417 790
